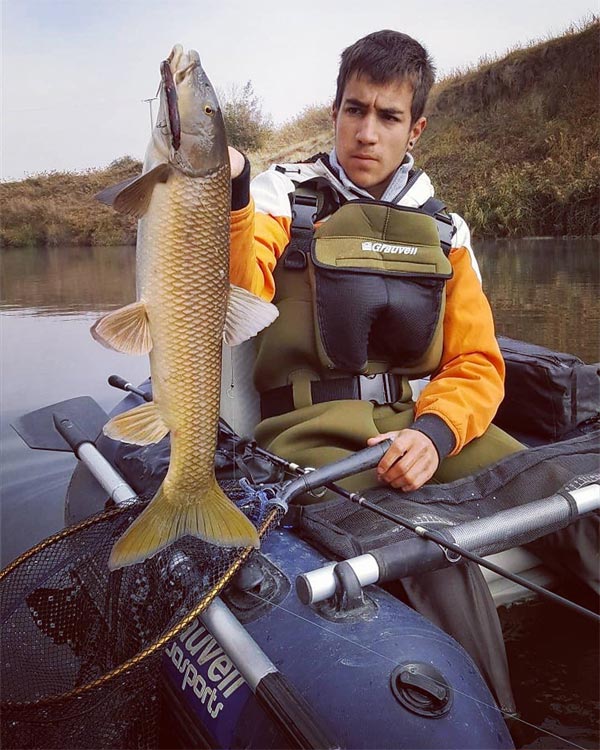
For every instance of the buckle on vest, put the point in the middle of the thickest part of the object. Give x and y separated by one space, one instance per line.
304 211
376 388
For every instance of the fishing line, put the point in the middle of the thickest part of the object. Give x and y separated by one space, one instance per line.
231 394
395 663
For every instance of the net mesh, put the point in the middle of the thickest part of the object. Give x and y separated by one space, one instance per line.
82 646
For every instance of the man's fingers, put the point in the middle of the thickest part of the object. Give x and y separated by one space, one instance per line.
410 461
393 453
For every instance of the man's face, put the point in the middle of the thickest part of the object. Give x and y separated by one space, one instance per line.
373 131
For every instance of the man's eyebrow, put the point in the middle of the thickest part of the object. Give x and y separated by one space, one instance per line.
384 110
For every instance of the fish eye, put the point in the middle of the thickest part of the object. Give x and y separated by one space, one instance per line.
209 110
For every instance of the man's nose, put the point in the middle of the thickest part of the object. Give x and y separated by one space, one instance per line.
367 133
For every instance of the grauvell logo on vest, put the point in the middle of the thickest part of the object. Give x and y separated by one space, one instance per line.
381 247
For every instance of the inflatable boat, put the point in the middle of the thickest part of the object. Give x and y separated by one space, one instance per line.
305 647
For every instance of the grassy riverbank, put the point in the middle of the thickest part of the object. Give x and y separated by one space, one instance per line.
513 145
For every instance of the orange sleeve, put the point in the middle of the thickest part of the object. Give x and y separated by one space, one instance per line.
466 390
257 242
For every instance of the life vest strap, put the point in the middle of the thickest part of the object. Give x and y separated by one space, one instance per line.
383 388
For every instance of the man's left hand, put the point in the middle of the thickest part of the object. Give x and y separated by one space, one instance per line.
409 462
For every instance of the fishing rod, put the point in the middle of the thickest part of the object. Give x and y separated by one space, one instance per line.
390 567
432 547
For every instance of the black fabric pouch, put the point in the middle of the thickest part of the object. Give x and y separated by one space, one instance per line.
549 395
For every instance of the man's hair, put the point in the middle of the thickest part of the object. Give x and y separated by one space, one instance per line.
387 56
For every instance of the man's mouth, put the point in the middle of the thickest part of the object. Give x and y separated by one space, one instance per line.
364 157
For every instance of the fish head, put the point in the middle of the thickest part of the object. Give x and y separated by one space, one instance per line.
190 131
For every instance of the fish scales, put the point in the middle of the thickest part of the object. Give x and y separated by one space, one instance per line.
185 288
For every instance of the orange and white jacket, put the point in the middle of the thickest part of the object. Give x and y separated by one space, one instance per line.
466 390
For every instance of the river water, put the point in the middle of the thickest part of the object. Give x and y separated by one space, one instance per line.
542 290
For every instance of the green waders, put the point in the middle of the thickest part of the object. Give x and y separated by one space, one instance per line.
456 599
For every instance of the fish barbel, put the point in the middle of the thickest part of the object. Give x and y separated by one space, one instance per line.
185 309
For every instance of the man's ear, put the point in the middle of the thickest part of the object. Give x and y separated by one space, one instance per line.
334 114
417 129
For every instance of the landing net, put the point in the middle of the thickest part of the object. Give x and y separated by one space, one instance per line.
82 646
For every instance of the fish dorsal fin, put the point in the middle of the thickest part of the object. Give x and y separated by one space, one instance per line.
142 425
126 330
247 314
132 196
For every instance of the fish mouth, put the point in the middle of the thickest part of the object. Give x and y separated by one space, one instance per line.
190 130
182 63
178 66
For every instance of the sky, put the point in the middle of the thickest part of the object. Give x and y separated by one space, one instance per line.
75 72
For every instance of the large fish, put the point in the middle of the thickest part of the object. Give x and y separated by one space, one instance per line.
185 308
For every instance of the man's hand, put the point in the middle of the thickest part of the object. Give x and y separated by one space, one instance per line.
409 462
236 161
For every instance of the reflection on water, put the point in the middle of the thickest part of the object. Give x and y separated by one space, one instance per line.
62 280
545 291
49 299
542 291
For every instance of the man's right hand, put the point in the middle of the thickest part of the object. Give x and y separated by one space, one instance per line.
236 161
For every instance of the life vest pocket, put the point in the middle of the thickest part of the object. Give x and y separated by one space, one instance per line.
378 276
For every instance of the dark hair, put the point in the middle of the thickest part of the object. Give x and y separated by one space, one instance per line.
386 56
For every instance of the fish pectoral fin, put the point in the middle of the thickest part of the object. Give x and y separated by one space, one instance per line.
108 195
142 425
127 330
172 514
247 314
132 196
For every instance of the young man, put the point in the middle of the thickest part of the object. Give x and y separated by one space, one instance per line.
382 300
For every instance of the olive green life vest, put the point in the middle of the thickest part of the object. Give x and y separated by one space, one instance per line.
363 294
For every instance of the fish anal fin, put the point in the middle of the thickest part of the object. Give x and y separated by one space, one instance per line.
172 514
142 425
127 329
247 315
132 196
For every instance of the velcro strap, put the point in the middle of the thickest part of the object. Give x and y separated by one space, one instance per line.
385 388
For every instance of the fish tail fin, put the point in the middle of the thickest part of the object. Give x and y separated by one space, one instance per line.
210 516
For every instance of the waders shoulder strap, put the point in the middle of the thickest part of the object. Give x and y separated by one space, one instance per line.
310 201
445 226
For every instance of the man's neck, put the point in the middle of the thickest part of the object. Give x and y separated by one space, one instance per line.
385 191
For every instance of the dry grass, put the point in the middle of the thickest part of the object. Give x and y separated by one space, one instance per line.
58 208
